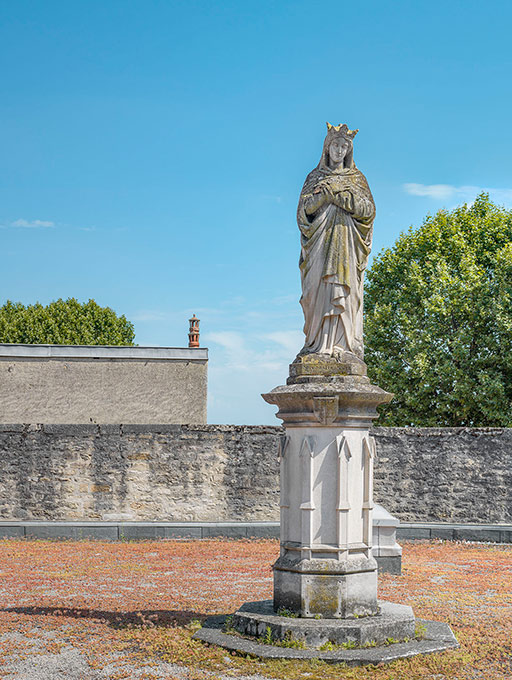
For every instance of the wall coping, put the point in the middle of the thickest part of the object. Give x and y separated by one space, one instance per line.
134 428
21 351
86 429
125 530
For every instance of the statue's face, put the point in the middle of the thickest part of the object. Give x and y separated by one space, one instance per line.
338 149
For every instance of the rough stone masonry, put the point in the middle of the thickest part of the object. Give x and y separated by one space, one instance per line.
231 473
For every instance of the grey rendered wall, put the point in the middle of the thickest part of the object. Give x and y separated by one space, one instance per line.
216 473
99 389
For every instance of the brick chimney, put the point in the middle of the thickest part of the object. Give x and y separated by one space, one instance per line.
193 332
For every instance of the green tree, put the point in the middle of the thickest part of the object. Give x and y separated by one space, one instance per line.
438 323
64 322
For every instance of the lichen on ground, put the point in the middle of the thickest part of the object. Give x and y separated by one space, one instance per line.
129 610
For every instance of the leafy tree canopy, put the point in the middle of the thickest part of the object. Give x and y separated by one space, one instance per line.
438 321
64 322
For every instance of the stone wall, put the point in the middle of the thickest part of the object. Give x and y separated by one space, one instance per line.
138 472
445 474
97 384
230 473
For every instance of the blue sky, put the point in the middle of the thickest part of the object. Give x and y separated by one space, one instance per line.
153 152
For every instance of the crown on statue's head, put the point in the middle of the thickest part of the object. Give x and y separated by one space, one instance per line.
341 130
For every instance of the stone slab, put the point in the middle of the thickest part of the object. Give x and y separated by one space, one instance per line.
389 565
183 532
10 531
506 536
144 530
270 530
137 532
229 531
468 534
412 532
479 533
444 533
70 531
438 637
381 517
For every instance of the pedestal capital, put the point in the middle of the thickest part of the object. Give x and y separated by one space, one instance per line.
331 401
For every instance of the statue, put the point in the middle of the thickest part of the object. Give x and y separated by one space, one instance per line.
335 218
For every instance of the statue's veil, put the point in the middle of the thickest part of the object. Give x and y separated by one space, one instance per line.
348 161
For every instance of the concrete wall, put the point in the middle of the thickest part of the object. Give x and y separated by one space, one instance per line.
230 473
72 384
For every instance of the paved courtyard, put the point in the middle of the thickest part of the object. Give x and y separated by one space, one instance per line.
93 610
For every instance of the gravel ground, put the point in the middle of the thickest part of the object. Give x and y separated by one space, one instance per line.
71 664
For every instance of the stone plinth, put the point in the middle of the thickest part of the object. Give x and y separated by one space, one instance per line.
326 567
435 637
386 550
394 621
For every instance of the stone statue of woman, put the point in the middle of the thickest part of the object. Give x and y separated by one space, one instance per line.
335 218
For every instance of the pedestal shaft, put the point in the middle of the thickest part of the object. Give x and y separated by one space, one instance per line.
325 566
326 492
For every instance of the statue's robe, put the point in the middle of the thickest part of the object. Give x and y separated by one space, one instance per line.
335 245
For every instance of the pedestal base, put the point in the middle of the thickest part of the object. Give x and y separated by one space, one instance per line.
394 621
255 630
326 588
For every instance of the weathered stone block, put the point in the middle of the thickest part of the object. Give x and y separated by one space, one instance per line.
11 531
416 533
232 531
129 532
468 534
327 594
390 565
443 533
264 531
101 488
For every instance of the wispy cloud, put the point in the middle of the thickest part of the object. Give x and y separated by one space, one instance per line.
32 224
272 198
149 315
258 352
443 192
290 341
243 365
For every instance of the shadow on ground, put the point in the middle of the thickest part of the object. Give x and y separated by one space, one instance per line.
139 618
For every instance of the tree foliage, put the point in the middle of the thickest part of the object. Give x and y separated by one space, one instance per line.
64 322
438 321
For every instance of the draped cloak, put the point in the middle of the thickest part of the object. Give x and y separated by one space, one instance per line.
335 245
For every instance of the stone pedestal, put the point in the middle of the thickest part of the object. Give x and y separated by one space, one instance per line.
326 568
325 579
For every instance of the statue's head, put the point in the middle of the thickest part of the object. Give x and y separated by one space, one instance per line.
338 151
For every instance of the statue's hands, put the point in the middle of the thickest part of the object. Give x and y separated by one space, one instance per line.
321 195
314 201
324 192
344 200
